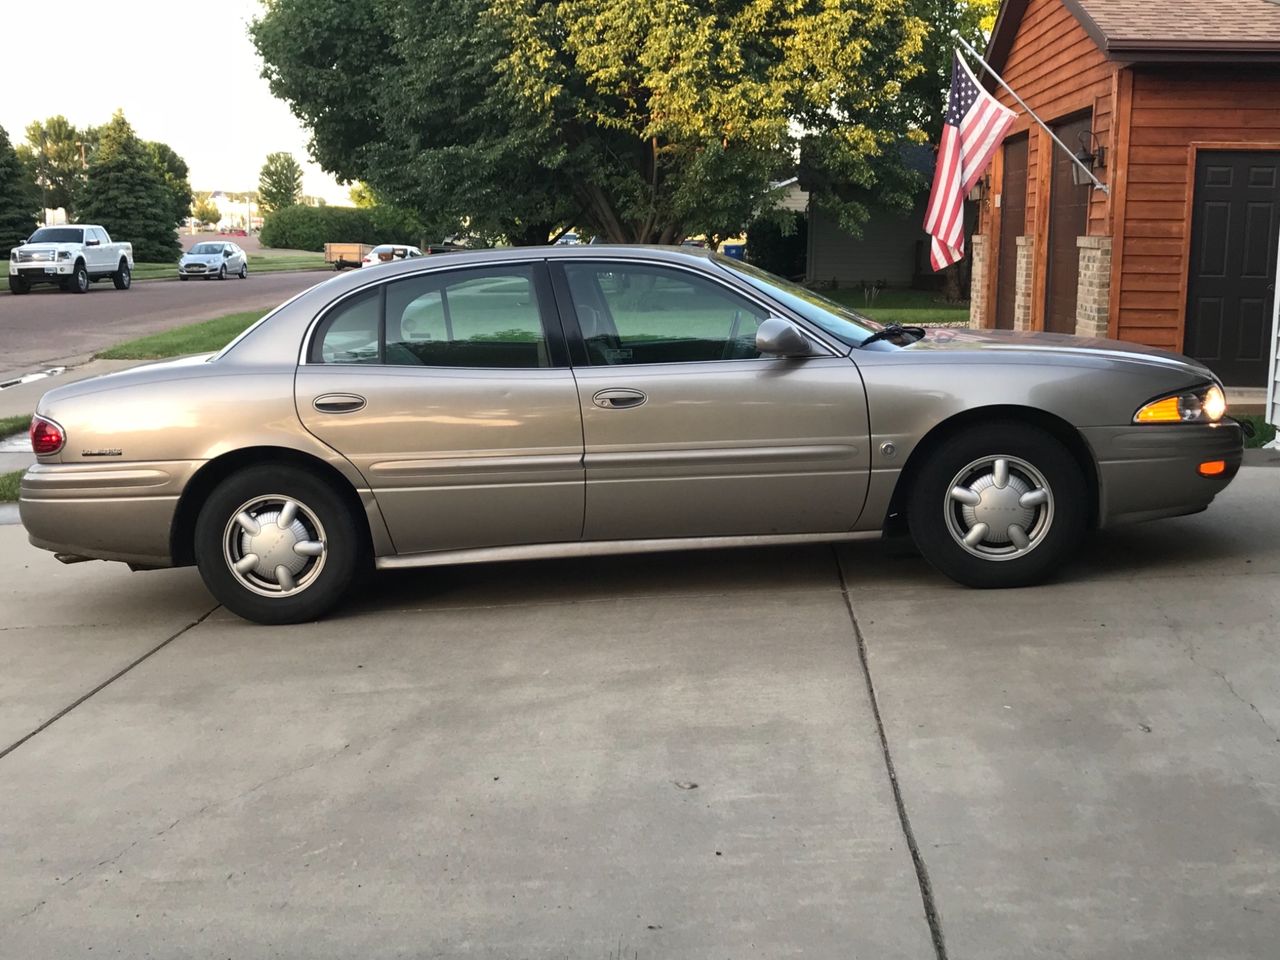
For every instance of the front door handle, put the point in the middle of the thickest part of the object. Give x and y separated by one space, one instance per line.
618 398
339 403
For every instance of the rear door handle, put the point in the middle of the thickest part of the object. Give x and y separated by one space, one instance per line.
339 403
618 398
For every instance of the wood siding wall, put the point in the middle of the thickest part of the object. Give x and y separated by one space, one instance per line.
1175 112
1059 71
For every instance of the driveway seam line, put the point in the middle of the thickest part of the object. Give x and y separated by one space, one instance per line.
105 683
931 915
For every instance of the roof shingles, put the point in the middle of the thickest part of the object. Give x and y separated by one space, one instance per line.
1186 23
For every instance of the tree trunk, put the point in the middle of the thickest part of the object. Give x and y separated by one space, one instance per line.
529 234
951 283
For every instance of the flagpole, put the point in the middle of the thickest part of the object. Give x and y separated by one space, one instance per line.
955 35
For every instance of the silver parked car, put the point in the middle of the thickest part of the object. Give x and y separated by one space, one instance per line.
577 400
214 260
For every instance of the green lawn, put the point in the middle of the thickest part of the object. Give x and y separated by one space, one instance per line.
910 307
11 425
203 337
9 485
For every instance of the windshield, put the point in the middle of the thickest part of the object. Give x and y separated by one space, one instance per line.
207 248
57 235
839 321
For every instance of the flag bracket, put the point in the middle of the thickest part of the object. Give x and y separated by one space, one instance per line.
955 35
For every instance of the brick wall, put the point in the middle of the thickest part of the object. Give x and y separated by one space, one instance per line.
1093 290
1022 286
978 306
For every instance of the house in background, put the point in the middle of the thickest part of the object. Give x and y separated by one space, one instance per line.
893 246
1178 105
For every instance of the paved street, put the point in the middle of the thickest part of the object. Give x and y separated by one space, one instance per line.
48 327
672 756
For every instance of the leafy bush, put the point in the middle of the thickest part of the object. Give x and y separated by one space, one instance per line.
786 254
310 228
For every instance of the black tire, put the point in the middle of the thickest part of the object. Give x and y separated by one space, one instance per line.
79 280
123 277
323 581
244 271
1051 531
18 285
222 272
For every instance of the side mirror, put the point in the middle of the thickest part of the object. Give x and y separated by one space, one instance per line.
782 338
226 253
91 243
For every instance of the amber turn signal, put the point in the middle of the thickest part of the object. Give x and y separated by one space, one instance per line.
1212 468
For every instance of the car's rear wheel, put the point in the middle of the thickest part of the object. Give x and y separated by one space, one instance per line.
244 271
275 544
123 277
18 285
999 505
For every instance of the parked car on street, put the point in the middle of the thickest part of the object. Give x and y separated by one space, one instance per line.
389 253
71 256
580 401
214 260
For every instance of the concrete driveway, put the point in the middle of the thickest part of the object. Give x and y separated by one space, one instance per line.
677 756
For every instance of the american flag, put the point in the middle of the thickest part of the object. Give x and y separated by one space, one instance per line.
974 127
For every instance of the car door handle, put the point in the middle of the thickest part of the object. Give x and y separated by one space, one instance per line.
338 403
618 398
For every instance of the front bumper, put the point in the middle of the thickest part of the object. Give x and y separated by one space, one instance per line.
108 511
41 272
1147 472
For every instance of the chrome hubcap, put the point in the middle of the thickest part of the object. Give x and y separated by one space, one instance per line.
999 508
274 545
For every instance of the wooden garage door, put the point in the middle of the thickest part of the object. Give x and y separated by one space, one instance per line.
1013 223
1068 221
1231 287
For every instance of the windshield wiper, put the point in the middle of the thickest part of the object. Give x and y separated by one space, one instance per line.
895 330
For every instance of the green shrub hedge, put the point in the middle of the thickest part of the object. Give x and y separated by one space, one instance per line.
310 228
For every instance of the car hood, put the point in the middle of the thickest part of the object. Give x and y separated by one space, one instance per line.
47 247
1027 344
201 257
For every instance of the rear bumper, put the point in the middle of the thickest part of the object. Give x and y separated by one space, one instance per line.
118 511
1148 472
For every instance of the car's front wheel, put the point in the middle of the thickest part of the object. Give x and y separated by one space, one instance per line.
222 272
18 285
78 282
998 505
275 544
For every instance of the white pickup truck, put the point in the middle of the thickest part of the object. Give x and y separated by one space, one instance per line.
72 256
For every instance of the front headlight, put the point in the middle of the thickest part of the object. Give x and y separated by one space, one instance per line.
1205 405
64 254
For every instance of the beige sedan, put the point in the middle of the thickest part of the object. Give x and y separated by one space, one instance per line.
571 401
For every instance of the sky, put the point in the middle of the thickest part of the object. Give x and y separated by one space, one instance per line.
152 59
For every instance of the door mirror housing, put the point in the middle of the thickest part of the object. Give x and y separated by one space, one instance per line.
782 338
92 243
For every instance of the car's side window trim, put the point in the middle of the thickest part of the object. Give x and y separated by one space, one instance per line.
577 343
552 325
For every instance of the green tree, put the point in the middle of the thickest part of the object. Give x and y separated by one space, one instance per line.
361 196
206 212
57 152
19 197
642 122
173 169
279 183
125 192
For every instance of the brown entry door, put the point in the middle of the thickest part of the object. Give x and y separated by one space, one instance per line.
1068 220
1231 289
1013 222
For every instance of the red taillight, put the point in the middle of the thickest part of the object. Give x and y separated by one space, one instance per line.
46 436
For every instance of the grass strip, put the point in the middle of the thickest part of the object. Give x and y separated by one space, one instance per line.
11 425
9 485
203 337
